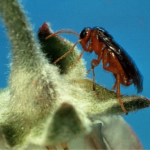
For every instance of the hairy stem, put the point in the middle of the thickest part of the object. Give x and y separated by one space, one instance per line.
25 50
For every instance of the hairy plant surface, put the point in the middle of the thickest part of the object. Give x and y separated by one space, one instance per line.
44 108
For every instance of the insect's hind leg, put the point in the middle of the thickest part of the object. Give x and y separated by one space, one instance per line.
115 71
112 69
117 83
118 94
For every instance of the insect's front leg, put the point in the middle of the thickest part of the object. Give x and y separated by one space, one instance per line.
66 52
76 61
94 63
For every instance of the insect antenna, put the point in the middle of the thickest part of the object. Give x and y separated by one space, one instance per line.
62 31
66 52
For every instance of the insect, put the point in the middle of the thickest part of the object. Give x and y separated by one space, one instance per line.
113 57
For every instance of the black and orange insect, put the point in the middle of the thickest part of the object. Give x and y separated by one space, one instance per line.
114 58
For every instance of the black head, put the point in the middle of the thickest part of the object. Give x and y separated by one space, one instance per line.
84 32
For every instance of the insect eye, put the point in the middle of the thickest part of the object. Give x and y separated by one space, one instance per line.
83 33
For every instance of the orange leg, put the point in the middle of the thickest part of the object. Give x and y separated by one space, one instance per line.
51 148
118 94
64 145
47 147
114 86
93 80
67 52
112 69
76 61
94 63
116 72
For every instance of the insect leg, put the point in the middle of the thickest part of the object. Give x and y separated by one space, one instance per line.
114 70
64 145
51 148
118 94
76 61
89 70
114 86
66 53
94 63
47 147
62 31
93 80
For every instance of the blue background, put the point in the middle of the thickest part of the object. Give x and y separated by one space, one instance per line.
128 21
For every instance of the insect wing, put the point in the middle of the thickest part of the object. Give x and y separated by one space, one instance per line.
105 37
131 69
